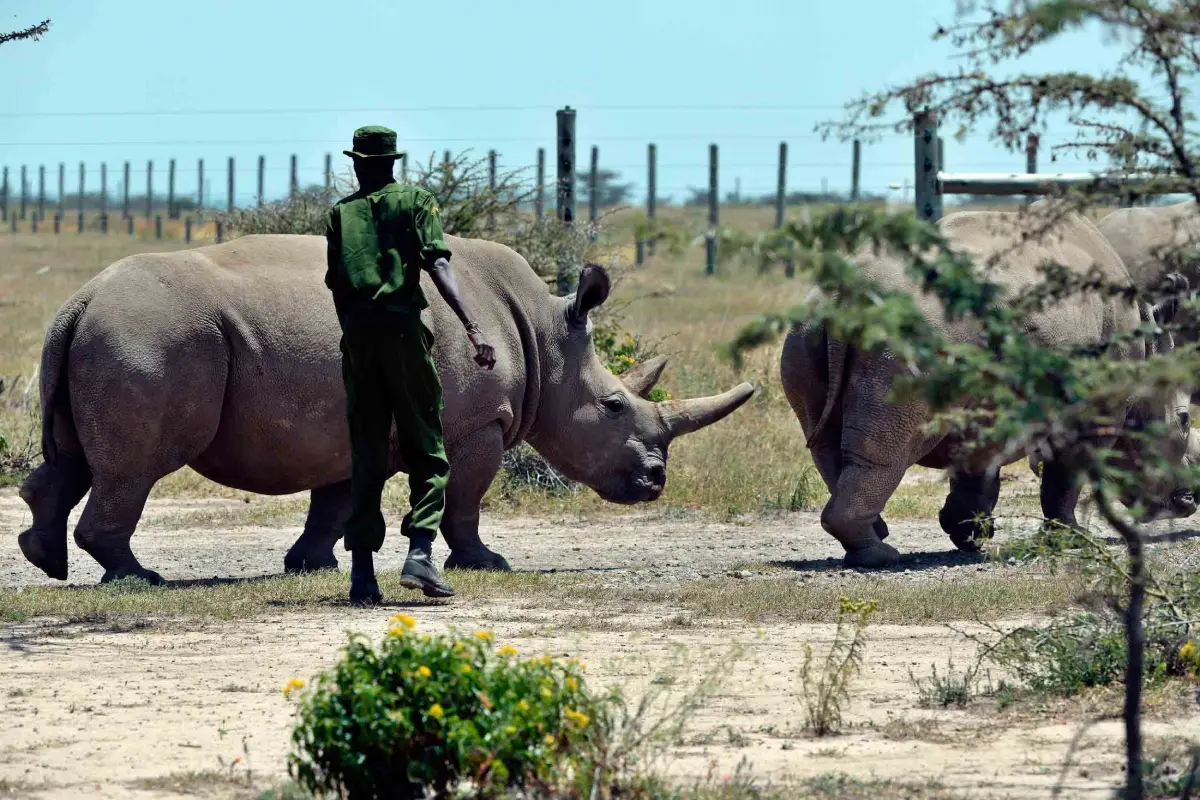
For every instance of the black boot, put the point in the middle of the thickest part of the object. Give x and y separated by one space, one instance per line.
364 588
419 571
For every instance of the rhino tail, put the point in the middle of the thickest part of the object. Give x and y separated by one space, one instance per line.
54 370
835 368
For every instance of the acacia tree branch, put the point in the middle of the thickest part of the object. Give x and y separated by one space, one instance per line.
33 33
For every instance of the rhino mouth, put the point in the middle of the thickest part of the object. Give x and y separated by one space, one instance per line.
645 487
1182 503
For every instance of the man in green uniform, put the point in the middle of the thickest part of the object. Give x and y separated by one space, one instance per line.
379 240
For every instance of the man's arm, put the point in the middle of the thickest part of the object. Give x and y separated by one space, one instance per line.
436 256
333 258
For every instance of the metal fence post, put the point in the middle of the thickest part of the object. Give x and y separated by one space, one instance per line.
329 172
24 191
158 228
4 197
220 232
710 238
1031 158
33 226
149 189
79 205
539 200
62 190
129 224
229 188
293 180
925 185
200 188
187 230
103 189
262 166
789 265
565 194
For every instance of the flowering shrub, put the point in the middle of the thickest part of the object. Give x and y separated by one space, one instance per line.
620 350
439 712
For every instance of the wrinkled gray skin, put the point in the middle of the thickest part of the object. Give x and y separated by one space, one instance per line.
225 358
863 444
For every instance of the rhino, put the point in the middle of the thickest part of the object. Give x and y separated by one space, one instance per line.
862 444
225 358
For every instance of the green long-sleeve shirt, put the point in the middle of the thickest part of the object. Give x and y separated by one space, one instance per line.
378 243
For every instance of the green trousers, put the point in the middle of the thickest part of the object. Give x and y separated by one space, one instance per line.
390 375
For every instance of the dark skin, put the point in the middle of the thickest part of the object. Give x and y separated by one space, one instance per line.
374 174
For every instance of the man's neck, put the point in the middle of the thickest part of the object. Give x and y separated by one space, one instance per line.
375 184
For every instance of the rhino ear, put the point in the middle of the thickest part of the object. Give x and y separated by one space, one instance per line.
642 377
592 292
1167 309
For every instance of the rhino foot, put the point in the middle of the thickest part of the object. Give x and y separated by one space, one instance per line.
482 559
45 552
302 562
876 556
119 573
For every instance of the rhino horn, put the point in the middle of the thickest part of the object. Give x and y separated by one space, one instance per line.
686 416
641 378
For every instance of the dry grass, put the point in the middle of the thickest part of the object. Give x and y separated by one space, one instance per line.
780 597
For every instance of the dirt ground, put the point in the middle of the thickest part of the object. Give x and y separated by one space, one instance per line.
89 709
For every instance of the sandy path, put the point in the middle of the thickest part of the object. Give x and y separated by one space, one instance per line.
98 711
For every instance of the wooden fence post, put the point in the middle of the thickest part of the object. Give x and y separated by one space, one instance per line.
539 201
789 265
565 194
491 218
149 189
42 191
103 189
925 157
171 210
24 191
262 166
1031 158
229 188
125 192
710 238
652 192
293 180
855 171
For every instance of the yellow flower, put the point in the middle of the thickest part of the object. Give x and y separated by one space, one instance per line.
486 636
424 671
510 730
572 684
1187 651
546 693
436 711
292 685
524 706
578 718
466 669
507 650
549 740
403 620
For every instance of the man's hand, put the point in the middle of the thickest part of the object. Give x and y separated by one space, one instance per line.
485 354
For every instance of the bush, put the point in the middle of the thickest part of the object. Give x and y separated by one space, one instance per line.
827 692
439 712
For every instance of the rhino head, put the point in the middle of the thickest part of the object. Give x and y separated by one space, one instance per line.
598 429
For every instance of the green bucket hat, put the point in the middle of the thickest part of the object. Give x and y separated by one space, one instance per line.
374 141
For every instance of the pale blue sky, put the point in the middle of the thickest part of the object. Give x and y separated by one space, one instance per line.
502 68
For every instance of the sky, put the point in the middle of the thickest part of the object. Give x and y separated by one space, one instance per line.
126 80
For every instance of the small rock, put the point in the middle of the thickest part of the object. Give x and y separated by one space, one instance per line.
743 573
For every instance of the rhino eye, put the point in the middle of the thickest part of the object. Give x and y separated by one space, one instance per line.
614 404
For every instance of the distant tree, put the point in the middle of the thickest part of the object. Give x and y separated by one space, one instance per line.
33 32
608 190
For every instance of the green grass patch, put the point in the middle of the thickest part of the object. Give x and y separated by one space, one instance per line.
776 598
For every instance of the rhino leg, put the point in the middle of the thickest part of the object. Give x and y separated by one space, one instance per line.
1060 493
108 522
828 458
852 514
967 514
474 462
328 509
51 491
